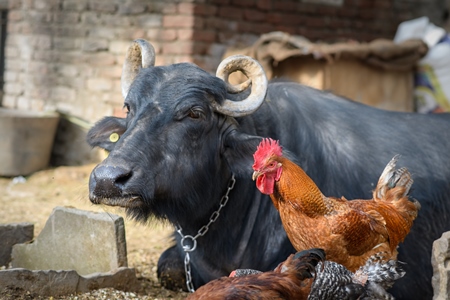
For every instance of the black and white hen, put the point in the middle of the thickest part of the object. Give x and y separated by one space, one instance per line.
334 281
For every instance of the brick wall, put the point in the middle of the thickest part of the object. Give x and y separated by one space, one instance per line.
66 55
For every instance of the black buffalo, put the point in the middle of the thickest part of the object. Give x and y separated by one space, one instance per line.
182 141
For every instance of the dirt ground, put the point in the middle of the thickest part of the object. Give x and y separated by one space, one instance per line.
33 201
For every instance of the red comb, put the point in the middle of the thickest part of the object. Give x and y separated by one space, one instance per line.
266 148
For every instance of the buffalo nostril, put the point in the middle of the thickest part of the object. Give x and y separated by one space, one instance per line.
109 181
123 178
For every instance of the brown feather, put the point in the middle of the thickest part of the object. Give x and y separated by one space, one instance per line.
292 279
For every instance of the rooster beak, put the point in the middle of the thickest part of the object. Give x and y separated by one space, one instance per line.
255 175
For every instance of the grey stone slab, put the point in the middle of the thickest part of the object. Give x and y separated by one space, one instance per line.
57 283
441 268
73 239
11 234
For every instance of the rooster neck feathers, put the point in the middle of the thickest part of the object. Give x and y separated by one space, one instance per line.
268 166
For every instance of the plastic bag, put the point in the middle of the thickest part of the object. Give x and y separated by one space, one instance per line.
432 77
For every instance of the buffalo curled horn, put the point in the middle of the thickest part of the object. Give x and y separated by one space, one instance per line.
140 54
253 70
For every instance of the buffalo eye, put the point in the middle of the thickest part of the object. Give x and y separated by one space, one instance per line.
195 113
126 106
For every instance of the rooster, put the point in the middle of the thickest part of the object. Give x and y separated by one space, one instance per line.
291 279
349 231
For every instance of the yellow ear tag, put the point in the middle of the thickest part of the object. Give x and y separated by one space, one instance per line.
114 137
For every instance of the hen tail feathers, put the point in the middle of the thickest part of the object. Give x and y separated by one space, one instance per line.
306 261
394 184
380 275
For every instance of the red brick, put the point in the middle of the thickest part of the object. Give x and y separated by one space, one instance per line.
199 61
254 15
184 47
182 21
284 18
103 6
201 9
349 3
221 2
290 6
383 4
245 3
206 35
286 29
177 47
301 31
318 21
15 15
356 24
221 24
66 17
307 8
186 8
168 35
264 4
185 34
328 10
200 48
274 17
231 12
293 19
138 33
338 23
167 8
348 12
258 28
197 35
367 14
313 34
14 28
214 22
225 37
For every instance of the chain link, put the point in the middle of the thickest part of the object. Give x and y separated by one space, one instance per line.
189 247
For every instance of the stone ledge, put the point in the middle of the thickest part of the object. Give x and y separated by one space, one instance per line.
57 283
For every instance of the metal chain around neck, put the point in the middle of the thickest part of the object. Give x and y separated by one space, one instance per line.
201 232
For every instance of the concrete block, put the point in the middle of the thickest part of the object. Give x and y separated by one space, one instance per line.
11 234
73 239
57 283
441 269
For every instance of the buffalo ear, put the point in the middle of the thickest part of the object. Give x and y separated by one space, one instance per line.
106 132
238 152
